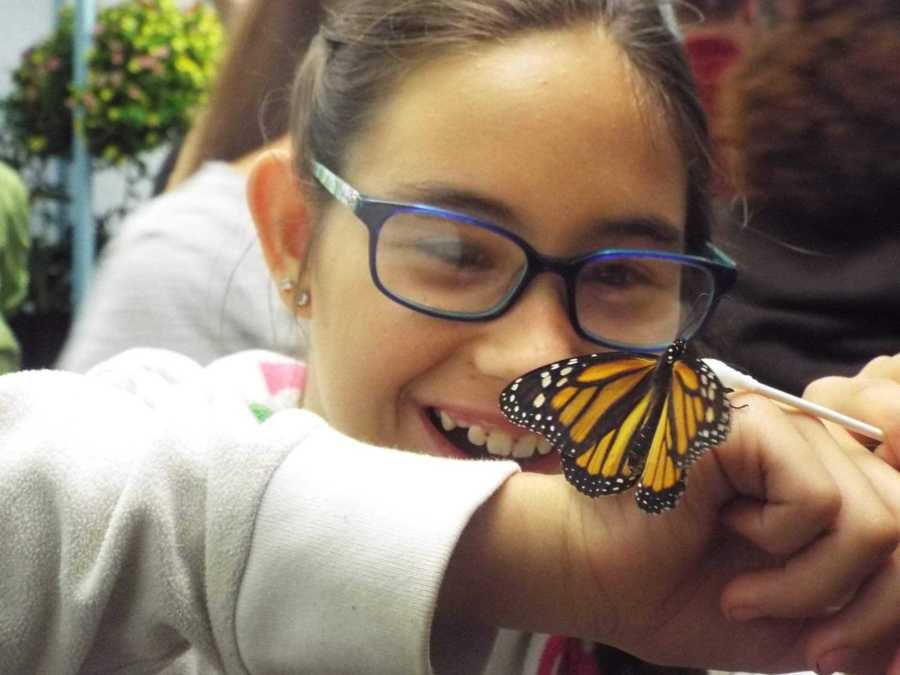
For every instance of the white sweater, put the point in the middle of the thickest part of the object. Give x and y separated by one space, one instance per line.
149 522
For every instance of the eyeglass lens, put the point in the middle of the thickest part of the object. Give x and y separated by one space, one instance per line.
456 267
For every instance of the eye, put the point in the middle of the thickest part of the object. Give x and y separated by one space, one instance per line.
456 252
620 274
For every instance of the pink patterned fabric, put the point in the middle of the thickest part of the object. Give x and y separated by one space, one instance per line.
280 376
568 656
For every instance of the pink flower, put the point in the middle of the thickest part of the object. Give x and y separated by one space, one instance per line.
89 101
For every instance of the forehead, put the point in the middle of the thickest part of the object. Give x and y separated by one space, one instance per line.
557 116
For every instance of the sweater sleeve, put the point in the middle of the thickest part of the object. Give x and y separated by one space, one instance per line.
349 552
122 543
135 533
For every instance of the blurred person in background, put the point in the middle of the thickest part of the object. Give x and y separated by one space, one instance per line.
15 241
812 132
184 272
716 33
228 10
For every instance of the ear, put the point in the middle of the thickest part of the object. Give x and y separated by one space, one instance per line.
284 223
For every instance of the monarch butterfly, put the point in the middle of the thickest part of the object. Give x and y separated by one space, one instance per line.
621 418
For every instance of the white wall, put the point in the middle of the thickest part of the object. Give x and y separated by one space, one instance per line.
22 22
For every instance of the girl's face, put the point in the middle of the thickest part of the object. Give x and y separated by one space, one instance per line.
551 136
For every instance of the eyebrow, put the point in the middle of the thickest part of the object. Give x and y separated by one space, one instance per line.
450 198
456 199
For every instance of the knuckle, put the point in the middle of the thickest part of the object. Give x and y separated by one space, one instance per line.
881 536
825 502
881 364
824 387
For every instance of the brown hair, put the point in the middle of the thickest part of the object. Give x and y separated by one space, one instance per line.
249 102
364 46
709 10
812 125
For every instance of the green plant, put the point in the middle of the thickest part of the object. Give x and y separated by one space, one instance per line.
150 67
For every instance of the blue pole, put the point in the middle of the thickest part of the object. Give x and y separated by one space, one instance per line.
81 184
61 165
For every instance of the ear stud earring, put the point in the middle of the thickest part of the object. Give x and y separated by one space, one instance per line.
302 299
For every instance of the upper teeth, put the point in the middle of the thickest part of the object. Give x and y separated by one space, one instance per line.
499 443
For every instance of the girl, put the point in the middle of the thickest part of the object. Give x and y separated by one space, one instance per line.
153 523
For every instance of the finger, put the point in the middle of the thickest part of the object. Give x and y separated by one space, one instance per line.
864 635
887 367
787 497
825 573
869 398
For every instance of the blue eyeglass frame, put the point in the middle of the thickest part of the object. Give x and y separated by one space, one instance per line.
373 213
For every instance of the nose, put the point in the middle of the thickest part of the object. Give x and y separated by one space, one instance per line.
533 332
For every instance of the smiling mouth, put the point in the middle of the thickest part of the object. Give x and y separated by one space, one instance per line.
482 443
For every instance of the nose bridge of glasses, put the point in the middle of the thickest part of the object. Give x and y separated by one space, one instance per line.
562 296
565 268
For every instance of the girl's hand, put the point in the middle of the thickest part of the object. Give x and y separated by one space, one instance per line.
781 556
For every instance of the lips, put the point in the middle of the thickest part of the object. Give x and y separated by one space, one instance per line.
485 441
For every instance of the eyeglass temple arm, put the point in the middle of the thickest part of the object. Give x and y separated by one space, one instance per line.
336 186
718 255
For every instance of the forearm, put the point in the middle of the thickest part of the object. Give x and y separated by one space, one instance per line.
513 567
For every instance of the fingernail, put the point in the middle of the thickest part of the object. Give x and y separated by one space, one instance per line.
744 613
836 661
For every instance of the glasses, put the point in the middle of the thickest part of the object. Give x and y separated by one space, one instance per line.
452 266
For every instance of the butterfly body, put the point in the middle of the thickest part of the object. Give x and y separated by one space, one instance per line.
621 419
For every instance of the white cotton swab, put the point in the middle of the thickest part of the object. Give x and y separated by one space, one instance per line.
742 382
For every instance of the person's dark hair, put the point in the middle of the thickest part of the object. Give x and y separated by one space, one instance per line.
364 46
812 126
709 10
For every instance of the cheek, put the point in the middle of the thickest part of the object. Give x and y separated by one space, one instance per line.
365 352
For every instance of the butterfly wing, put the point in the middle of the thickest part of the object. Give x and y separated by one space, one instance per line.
590 408
693 417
